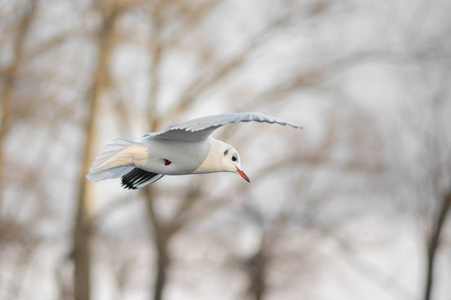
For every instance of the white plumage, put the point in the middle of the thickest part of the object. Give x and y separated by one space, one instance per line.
180 149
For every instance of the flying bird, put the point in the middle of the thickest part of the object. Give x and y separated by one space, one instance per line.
180 149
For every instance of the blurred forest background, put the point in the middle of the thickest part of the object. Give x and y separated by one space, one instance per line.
355 206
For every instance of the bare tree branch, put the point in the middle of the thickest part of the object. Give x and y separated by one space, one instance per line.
434 243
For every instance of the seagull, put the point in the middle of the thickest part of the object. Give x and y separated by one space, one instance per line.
180 149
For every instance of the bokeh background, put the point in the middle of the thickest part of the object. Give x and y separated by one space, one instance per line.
354 206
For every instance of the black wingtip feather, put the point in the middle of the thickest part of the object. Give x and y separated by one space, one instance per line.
133 179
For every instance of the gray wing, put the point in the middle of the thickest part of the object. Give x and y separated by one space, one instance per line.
200 129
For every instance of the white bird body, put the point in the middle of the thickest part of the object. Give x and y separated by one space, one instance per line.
181 149
184 157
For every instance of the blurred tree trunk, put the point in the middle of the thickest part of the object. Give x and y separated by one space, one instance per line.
163 263
160 282
434 243
256 268
9 83
83 223
7 116
164 231
161 237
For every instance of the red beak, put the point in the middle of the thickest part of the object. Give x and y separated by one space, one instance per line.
243 175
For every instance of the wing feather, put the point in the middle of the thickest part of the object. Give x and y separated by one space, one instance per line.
201 128
137 178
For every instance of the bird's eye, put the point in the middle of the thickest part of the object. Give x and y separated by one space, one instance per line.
234 158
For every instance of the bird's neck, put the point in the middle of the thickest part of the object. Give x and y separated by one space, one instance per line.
212 162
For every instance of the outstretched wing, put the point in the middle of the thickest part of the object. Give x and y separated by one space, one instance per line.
200 129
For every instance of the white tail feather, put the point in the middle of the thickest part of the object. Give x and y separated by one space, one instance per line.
117 159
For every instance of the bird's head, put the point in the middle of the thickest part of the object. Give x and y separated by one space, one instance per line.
222 158
231 161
